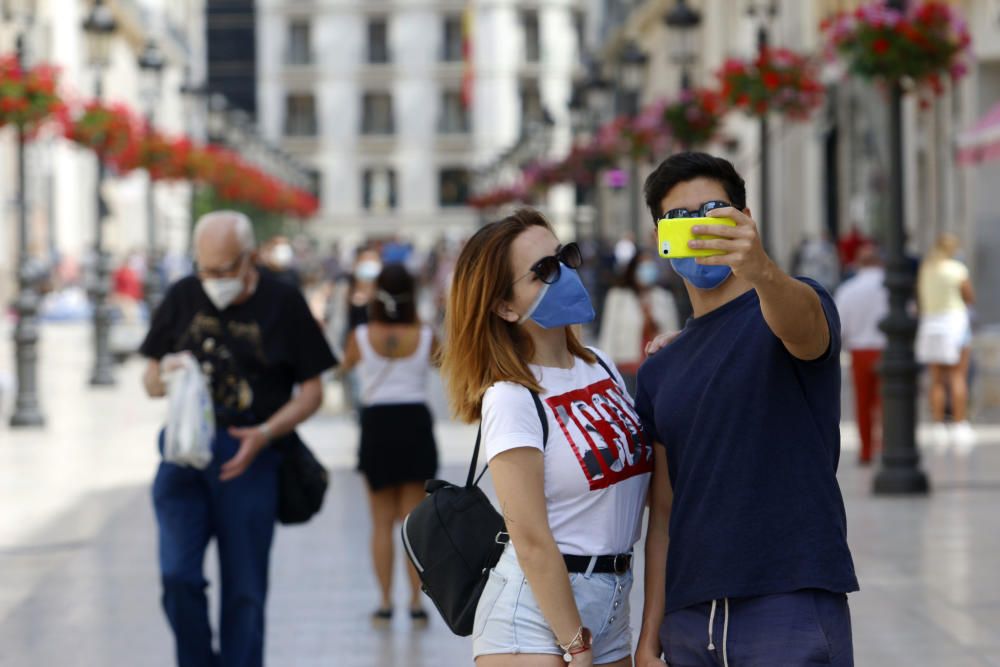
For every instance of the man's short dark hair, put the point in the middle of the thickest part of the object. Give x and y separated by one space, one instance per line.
684 167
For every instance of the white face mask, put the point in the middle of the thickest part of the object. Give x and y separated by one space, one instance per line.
368 270
282 255
222 291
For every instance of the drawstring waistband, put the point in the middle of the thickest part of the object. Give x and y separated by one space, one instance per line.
725 630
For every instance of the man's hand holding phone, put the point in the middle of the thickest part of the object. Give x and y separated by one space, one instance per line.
740 245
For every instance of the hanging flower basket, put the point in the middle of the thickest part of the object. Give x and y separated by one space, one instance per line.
27 97
497 197
165 158
921 45
111 131
693 118
777 80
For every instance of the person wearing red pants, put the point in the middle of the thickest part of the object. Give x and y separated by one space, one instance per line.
863 302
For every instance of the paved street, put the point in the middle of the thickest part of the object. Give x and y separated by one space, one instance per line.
78 582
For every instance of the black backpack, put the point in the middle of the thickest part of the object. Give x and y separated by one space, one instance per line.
454 537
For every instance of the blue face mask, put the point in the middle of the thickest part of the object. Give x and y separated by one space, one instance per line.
699 275
647 273
562 303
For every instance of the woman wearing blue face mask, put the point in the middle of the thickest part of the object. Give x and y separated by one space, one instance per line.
568 457
636 311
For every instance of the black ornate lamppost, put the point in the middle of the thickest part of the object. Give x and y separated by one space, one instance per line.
27 407
588 103
195 102
151 63
632 65
100 26
899 472
764 13
683 21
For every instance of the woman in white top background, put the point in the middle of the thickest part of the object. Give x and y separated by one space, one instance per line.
636 311
393 355
572 503
944 336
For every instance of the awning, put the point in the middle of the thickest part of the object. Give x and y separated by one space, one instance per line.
981 142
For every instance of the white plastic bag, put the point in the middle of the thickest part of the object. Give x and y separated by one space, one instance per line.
190 415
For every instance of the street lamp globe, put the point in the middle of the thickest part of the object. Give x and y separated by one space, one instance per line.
578 104
18 10
597 89
99 26
682 21
217 106
151 62
632 61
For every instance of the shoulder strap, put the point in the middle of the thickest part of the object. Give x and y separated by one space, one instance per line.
541 417
606 368
475 461
479 436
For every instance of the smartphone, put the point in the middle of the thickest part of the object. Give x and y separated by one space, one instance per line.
673 235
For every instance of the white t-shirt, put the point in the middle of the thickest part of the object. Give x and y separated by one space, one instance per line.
863 302
597 461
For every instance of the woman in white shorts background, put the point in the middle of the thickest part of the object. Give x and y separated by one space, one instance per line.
944 294
572 502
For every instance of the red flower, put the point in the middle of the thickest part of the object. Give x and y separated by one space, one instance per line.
771 80
888 45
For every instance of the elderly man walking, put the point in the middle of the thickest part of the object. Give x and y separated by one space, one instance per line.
255 340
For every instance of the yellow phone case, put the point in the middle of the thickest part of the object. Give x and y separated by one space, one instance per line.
673 236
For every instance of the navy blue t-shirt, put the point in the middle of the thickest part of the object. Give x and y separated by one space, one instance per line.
753 441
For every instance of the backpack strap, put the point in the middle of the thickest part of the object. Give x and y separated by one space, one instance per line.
604 365
541 417
475 461
479 436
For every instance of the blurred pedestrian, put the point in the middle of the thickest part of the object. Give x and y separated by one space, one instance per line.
572 499
747 527
393 355
255 339
367 267
277 259
944 337
863 302
816 258
635 312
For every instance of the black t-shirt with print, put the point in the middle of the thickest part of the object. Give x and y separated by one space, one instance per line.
253 353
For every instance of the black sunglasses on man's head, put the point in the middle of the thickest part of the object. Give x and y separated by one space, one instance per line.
702 211
548 269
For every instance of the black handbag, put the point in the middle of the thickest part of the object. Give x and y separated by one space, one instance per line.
454 537
302 481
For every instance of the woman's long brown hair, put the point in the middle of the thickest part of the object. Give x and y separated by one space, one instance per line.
481 348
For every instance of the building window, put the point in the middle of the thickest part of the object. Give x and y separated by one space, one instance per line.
453 187
378 189
299 43
532 37
300 115
376 114
580 28
531 102
315 182
452 46
378 41
454 117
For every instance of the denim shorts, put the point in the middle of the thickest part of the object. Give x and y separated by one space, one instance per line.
508 619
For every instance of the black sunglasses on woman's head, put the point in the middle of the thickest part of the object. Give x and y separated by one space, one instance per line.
548 269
